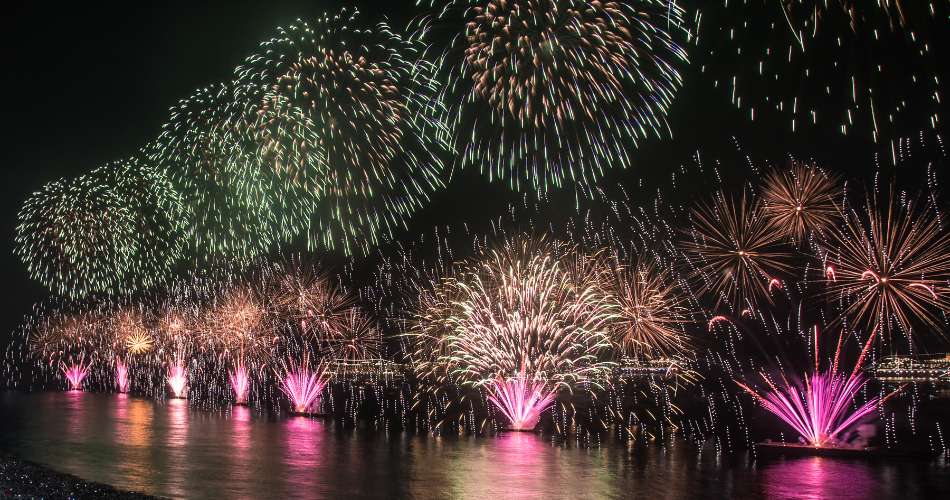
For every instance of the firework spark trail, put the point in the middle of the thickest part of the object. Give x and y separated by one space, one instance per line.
544 94
867 69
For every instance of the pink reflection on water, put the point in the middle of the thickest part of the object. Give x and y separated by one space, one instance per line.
302 462
177 446
818 478
241 450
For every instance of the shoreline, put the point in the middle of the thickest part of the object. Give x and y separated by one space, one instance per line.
25 479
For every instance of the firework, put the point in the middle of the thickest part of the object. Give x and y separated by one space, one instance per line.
544 94
112 230
178 378
650 310
231 204
357 339
310 299
303 385
240 383
890 265
799 201
121 376
734 250
530 314
371 101
837 67
239 323
75 373
128 327
521 400
822 410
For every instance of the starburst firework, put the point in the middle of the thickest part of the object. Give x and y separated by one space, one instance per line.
891 265
734 251
799 201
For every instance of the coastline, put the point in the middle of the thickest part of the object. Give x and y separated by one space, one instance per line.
24 479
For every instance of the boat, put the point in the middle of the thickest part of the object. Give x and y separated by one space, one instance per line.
777 449
770 448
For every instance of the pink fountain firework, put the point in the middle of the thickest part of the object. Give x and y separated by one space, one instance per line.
121 376
523 321
521 400
240 383
303 386
75 374
821 411
178 379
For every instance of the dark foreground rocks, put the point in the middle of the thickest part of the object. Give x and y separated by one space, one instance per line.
22 479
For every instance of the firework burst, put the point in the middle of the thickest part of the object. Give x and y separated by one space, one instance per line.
232 206
800 201
311 300
544 94
821 409
734 250
528 315
112 230
357 339
891 265
651 311
371 101
303 385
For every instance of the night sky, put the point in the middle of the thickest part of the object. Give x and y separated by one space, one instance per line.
86 83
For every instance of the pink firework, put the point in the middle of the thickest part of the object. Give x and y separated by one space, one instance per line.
240 383
821 411
75 374
178 379
303 386
522 400
121 376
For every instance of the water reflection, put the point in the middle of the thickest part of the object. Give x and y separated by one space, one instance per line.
171 450
177 446
818 477
302 455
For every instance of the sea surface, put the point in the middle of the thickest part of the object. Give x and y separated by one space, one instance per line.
172 450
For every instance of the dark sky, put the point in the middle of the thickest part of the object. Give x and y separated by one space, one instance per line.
87 82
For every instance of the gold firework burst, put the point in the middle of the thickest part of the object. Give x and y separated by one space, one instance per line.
799 201
890 264
734 251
